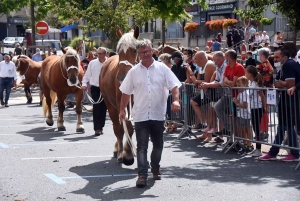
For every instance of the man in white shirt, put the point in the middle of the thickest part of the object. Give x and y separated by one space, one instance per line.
91 76
8 78
265 39
149 82
37 56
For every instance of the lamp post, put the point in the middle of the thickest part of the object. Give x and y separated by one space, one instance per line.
287 31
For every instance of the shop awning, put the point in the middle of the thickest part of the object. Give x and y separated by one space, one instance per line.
67 28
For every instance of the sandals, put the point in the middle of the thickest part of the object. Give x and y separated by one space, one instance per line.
171 128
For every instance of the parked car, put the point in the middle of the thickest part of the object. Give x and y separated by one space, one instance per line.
52 43
21 40
10 42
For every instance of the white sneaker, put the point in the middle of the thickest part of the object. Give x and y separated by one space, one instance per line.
255 153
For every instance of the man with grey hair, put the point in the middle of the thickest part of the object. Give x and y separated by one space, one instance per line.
91 76
8 78
37 56
149 82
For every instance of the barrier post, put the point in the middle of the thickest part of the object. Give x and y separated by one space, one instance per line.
186 129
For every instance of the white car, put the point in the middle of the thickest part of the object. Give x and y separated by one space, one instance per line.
10 42
52 43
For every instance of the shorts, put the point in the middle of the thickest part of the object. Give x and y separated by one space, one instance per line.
200 101
241 122
39 81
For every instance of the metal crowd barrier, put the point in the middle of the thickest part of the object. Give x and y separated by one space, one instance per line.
282 115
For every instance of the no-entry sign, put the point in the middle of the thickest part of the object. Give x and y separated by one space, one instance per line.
42 28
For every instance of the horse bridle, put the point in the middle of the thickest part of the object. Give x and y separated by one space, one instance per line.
27 66
70 67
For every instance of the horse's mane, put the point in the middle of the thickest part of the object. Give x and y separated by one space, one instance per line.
126 41
70 53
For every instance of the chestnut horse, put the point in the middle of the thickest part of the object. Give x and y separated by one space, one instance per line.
112 74
30 70
60 76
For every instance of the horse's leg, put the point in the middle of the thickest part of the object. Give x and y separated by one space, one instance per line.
27 93
128 158
49 119
118 130
79 126
61 108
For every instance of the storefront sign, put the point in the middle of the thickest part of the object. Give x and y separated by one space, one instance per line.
194 9
230 6
18 21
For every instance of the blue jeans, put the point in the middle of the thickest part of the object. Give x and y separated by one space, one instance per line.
292 138
144 130
5 84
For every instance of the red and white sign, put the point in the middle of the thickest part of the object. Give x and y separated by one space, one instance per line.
42 28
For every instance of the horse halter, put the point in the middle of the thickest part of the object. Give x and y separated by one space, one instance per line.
67 70
19 67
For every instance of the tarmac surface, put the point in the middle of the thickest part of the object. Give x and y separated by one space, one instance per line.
40 164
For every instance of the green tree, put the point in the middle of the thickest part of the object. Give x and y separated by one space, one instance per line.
289 8
171 11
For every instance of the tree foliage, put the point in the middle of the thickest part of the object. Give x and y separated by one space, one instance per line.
289 8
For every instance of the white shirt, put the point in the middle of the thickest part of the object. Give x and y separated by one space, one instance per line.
8 70
266 38
244 113
148 87
255 100
260 38
92 73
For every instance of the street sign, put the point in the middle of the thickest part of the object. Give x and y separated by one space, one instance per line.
42 28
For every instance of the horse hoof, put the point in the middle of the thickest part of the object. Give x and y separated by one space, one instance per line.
115 154
49 123
120 160
80 130
128 161
61 129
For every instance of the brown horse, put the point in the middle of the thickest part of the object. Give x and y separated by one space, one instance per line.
112 74
166 49
60 76
30 70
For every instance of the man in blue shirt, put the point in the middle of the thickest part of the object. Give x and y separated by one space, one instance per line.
37 56
216 46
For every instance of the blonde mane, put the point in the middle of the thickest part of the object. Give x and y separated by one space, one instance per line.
126 41
70 53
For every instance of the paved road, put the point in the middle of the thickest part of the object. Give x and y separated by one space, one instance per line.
40 164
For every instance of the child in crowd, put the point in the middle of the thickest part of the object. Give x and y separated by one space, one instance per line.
257 104
242 102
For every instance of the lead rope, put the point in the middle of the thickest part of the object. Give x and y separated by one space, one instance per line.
130 142
89 97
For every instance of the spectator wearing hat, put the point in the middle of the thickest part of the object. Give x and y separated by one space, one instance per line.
216 46
8 78
177 66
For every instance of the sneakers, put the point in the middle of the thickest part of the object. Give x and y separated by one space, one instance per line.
205 130
244 150
290 158
156 173
218 140
141 182
255 153
267 157
199 126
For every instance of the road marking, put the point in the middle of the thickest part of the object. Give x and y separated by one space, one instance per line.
66 157
55 179
33 125
59 180
5 146
36 144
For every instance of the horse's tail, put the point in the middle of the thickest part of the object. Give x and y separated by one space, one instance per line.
45 106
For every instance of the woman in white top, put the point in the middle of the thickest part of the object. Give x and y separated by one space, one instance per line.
278 40
257 104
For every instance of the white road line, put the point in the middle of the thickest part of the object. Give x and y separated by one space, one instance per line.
3 145
67 157
32 125
41 133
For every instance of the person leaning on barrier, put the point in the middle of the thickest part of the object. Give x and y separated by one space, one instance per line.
206 70
213 92
148 81
288 107
233 71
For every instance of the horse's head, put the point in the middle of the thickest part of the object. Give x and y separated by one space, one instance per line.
22 63
126 49
70 62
